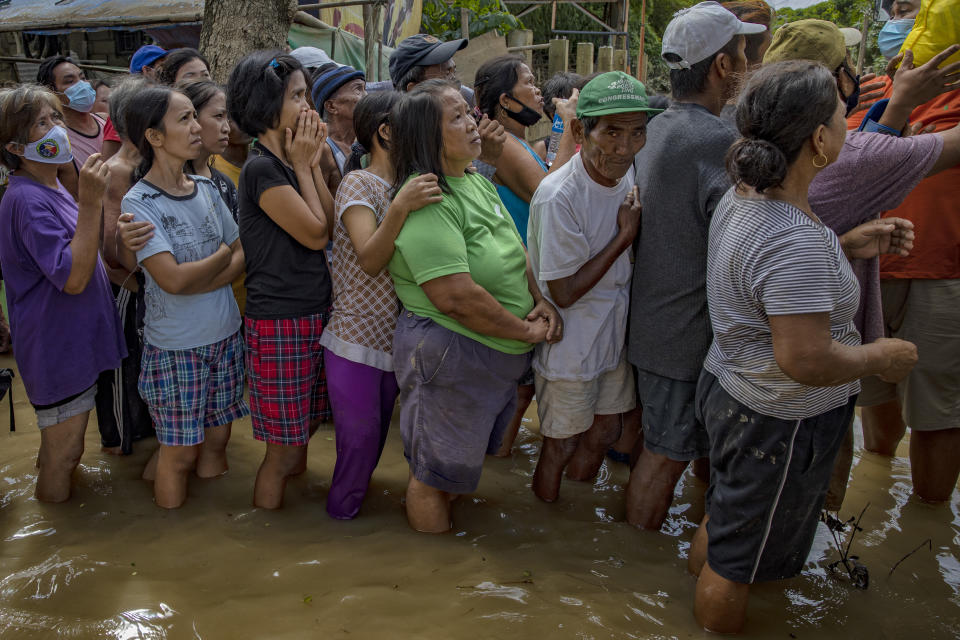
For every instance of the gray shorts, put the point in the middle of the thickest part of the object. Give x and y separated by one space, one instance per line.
927 313
51 414
457 397
768 481
670 424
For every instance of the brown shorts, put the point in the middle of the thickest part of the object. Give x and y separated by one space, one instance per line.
927 313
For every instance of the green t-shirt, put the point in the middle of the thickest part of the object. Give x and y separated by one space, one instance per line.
470 231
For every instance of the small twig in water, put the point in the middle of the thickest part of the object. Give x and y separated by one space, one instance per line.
928 542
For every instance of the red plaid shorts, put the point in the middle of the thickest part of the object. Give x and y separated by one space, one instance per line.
288 388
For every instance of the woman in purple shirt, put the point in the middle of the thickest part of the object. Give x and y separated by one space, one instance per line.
64 323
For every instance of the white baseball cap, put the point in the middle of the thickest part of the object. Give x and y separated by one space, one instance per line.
696 33
311 57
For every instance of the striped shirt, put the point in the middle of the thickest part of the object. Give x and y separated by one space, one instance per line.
769 258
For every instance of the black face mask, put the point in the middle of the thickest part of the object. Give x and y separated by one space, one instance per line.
526 116
854 98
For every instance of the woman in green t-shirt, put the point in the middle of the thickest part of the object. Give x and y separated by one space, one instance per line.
471 312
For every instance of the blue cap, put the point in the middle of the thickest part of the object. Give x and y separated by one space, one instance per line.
329 79
146 56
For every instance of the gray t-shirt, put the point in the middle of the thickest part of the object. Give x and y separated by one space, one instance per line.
681 178
768 258
191 228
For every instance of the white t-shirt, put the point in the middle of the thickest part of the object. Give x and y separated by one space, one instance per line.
768 258
572 219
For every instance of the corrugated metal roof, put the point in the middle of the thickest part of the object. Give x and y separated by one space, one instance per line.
50 15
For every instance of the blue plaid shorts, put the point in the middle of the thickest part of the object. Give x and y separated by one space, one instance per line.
188 390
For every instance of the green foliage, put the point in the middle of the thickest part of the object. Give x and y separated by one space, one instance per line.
844 13
443 20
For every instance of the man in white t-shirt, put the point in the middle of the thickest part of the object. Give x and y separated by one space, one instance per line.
583 219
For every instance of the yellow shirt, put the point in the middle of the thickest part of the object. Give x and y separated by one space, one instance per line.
226 168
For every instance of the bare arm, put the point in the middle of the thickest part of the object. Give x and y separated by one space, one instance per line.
950 155
806 352
462 299
374 244
566 291
233 269
189 277
85 246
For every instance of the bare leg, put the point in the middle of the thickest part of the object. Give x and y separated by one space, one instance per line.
697 556
524 397
720 605
593 446
841 473
428 509
554 456
302 467
883 428
630 433
174 465
934 463
650 490
212 461
61 446
113 451
279 463
150 470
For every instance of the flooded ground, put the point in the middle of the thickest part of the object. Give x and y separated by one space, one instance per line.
109 564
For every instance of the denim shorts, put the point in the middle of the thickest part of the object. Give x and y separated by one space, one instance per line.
457 397
768 481
51 414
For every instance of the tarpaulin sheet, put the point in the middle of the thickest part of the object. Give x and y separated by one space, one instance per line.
340 45
40 16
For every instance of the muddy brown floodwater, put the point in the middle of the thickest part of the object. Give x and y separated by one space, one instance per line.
109 564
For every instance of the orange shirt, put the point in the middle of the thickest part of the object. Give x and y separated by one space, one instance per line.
933 206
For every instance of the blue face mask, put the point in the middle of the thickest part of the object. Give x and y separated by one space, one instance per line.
81 96
892 36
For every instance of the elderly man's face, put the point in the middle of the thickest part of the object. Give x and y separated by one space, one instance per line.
609 148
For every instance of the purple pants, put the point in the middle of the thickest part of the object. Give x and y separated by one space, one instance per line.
362 399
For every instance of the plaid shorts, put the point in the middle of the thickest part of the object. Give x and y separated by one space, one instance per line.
188 390
288 388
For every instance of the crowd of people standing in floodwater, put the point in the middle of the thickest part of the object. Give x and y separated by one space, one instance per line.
727 271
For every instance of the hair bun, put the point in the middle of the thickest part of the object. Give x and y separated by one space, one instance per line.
757 163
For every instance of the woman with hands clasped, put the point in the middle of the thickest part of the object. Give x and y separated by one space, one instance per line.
64 323
286 216
472 309
782 375
358 342
192 367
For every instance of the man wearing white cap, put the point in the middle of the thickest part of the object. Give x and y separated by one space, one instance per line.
681 178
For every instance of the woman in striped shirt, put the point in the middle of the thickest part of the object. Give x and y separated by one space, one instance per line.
782 373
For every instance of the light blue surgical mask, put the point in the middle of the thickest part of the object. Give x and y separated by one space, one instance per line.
81 96
892 36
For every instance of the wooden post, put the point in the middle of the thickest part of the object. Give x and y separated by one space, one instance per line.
369 38
559 56
642 59
620 60
584 58
522 38
605 59
464 23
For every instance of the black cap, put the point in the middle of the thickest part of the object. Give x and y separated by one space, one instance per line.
421 50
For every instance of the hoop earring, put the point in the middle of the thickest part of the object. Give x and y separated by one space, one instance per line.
820 155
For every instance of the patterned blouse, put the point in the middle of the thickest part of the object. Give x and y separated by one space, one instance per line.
365 308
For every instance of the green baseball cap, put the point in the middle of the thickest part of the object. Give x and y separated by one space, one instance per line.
613 92
812 39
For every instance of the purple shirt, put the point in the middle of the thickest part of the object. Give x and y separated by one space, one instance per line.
61 341
873 173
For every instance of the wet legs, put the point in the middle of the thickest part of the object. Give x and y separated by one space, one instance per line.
883 428
935 463
174 466
279 463
61 446
428 509
212 460
650 490
581 455
524 398
720 604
